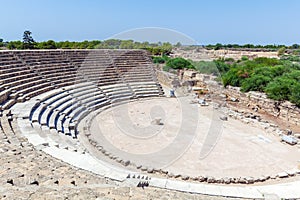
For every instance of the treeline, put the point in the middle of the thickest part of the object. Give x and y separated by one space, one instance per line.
250 46
154 48
29 43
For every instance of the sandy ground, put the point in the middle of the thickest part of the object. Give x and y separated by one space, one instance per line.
191 140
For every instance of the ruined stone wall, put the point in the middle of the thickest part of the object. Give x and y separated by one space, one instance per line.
165 78
285 111
199 54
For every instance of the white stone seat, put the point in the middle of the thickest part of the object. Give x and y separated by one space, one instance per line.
91 80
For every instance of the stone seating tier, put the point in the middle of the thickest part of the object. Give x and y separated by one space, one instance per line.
81 81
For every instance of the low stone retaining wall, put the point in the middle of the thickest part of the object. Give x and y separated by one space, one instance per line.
243 116
198 178
285 111
257 101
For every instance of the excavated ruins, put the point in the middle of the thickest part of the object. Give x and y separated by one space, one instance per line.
100 123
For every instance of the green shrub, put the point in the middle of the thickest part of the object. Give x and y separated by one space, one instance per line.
255 83
158 60
280 79
267 61
179 63
232 78
280 88
295 94
281 51
244 58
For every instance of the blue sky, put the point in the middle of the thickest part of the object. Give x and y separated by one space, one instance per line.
209 21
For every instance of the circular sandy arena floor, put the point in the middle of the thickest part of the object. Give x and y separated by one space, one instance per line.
190 140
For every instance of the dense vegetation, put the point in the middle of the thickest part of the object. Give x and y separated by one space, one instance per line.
173 63
160 59
215 67
278 78
179 63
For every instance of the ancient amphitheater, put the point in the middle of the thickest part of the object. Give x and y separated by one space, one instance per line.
80 124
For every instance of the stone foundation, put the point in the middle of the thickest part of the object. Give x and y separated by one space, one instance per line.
257 101
285 111
165 78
